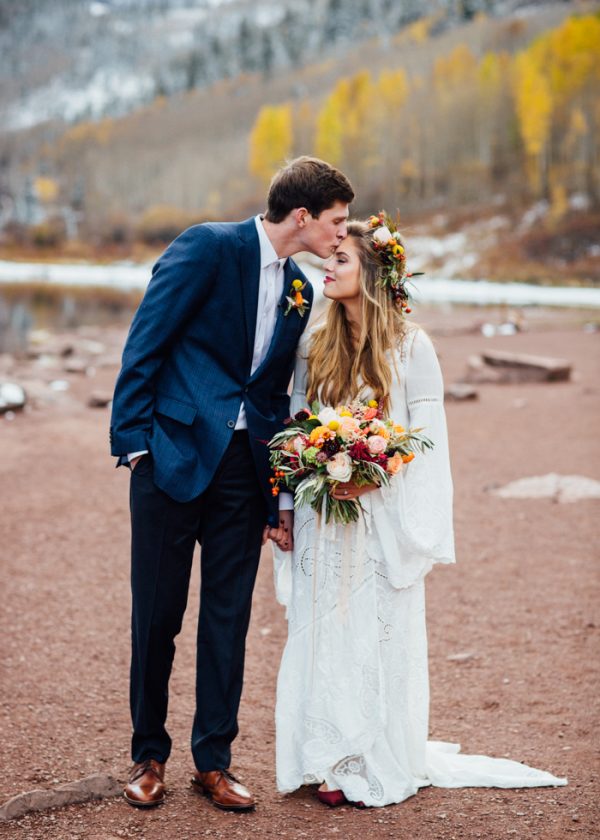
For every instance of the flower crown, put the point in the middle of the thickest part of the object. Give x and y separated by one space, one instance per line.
386 241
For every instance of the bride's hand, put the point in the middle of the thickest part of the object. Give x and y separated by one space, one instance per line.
349 490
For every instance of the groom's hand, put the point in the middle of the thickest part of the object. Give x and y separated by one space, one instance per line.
283 535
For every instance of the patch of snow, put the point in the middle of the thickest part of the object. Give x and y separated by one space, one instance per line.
57 99
98 9
533 215
579 201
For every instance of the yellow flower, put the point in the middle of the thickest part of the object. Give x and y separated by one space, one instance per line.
319 432
397 249
297 284
372 403
333 425
345 413
398 428
313 417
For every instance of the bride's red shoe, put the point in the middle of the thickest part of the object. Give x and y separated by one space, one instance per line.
335 798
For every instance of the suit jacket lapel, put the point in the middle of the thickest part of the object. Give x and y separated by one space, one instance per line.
249 263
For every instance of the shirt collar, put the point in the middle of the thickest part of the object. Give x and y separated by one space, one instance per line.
268 255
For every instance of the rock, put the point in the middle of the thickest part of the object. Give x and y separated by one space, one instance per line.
561 488
480 373
461 657
59 385
459 392
525 368
75 364
92 348
99 399
98 786
12 397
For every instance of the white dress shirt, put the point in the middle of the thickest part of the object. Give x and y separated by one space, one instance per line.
270 289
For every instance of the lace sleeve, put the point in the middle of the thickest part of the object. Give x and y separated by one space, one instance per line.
413 516
298 397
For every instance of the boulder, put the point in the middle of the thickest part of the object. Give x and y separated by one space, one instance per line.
98 786
522 367
499 367
560 488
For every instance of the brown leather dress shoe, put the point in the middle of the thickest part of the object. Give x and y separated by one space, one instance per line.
223 790
146 785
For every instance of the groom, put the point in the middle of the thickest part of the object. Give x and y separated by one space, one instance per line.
203 386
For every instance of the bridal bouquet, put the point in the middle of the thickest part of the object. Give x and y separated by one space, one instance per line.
321 448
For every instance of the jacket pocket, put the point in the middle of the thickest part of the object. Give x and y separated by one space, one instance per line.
175 409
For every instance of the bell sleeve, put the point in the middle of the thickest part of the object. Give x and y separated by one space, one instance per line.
412 518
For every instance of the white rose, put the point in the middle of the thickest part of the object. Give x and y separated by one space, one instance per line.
340 467
326 415
376 444
300 444
382 234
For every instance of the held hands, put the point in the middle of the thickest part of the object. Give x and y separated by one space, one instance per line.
283 535
349 490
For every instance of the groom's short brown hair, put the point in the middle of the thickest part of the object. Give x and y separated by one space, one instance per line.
306 182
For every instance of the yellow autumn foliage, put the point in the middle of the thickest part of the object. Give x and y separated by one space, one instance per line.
271 140
46 189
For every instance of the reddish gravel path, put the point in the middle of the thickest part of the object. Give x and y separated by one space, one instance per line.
523 599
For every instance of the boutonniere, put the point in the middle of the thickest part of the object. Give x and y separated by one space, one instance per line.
296 300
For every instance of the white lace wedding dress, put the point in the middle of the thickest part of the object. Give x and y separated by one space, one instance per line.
353 692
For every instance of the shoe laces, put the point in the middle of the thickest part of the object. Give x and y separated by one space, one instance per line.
146 766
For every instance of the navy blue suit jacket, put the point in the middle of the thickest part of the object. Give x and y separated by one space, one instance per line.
187 361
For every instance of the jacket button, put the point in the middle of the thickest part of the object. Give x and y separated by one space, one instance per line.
231 424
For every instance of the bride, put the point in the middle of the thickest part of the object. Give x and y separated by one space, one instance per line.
353 692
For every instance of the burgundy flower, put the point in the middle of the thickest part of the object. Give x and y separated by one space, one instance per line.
359 451
301 415
331 447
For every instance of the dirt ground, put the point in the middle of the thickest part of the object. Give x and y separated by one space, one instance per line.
523 600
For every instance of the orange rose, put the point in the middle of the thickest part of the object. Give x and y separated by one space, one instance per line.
394 464
408 458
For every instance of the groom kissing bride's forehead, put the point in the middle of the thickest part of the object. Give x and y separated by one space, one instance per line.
202 387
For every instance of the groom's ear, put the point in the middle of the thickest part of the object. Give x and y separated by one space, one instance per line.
300 215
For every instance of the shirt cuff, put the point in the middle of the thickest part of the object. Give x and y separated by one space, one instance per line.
132 455
286 501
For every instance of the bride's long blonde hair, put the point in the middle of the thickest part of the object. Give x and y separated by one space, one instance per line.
335 366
